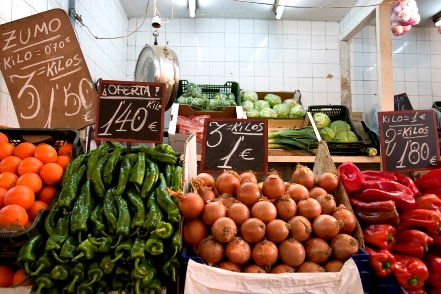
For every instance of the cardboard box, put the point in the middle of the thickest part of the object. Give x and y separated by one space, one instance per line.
177 140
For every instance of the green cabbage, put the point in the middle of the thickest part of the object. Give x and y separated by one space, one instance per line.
282 110
346 136
321 120
291 102
249 96
339 125
198 104
268 112
272 99
230 96
214 104
247 105
182 100
327 134
253 112
261 104
297 112
231 102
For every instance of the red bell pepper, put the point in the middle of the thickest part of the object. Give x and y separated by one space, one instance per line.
403 201
411 272
428 201
435 291
427 220
378 175
377 212
436 242
351 177
433 263
381 261
417 291
408 182
387 186
435 191
381 235
377 206
413 243
431 180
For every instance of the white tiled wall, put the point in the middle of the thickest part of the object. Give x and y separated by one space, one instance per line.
417 67
260 55
105 59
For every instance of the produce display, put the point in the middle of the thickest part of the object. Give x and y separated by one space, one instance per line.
198 100
194 124
338 130
235 223
403 16
401 221
271 106
113 227
292 138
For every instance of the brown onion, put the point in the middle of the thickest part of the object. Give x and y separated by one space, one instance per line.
194 231
207 180
248 193
347 218
228 182
309 208
297 192
292 252
325 226
254 269
205 192
333 266
327 203
309 267
286 208
303 175
229 266
301 228
224 229
265 254
248 176
238 251
344 246
253 230
264 210
328 181
317 250
277 230
227 200
211 250
273 186
190 204
212 211
281 269
316 192
238 212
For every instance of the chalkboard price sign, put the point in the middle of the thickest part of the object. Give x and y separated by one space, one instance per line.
130 111
409 140
237 144
402 102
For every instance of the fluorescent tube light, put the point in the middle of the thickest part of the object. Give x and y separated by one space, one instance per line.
280 6
192 7
279 11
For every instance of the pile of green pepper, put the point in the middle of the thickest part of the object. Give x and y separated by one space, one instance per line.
113 227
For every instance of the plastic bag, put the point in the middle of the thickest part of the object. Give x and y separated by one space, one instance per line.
370 118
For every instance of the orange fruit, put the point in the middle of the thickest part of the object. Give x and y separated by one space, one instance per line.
29 165
63 161
46 153
13 214
32 213
66 150
20 276
8 180
25 149
6 276
51 174
46 194
2 197
32 180
10 164
3 138
28 225
20 195
6 149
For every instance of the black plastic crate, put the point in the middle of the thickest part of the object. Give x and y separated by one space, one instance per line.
386 285
437 105
210 90
339 112
374 138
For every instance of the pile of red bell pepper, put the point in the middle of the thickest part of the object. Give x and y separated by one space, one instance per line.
401 221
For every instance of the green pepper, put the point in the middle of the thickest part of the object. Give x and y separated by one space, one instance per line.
102 243
81 211
137 252
138 275
110 211
50 220
85 288
151 178
85 249
61 271
138 170
124 219
124 247
103 286
155 287
44 280
45 262
166 203
56 289
61 233
148 278
67 251
138 208
96 218
97 182
69 191
122 272
27 252
169 169
94 273
176 184
110 166
77 274
167 149
176 243
130 288
124 172
94 156
163 230
107 263
157 156
154 245
72 167
117 284
154 215
170 266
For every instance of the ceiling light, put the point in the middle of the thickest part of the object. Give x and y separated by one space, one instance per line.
192 7
279 6
437 19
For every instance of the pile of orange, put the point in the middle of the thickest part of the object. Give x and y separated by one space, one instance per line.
29 175
9 277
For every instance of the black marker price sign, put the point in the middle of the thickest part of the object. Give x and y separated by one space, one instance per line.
130 111
237 144
402 102
409 140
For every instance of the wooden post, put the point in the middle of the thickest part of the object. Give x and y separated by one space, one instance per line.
345 72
